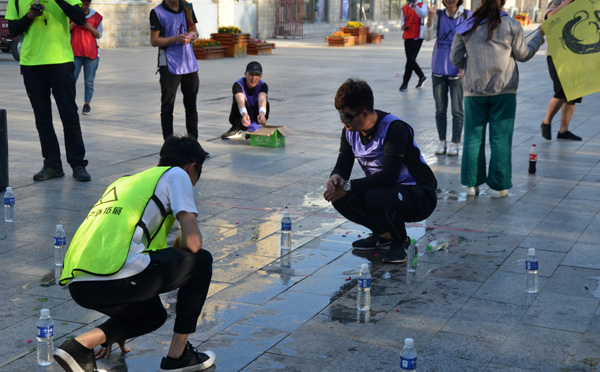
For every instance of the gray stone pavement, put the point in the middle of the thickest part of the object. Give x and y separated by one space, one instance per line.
466 308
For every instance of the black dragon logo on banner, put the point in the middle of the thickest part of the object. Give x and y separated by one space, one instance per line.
574 44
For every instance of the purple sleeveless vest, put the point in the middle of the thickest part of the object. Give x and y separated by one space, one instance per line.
370 156
440 62
251 101
180 58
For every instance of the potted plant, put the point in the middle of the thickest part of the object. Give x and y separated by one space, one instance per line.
339 38
374 38
233 39
259 47
208 49
523 19
357 29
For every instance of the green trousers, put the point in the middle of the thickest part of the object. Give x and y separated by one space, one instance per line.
499 111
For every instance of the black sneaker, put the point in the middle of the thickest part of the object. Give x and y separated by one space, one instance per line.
47 173
546 131
74 357
372 242
86 109
232 133
403 87
421 82
190 360
568 135
81 174
397 252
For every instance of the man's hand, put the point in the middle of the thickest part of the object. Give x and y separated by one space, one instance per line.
335 188
104 352
183 39
33 13
246 119
262 119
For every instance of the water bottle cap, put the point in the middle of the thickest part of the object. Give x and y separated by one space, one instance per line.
413 241
429 248
8 188
533 145
45 312
409 342
59 227
364 266
531 251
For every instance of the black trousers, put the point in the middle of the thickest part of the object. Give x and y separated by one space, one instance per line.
235 118
133 304
168 89
411 49
387 209
58 80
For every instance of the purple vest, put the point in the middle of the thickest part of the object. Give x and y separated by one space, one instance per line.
370 156
440 63
180 57
251 101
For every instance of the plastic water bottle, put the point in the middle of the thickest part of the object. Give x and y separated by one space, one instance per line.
45 336
286 231
9 205
531 265
438 245
363 299
60 243
532 159
408 356
412 257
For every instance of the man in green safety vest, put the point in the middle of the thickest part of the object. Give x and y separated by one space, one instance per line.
118 262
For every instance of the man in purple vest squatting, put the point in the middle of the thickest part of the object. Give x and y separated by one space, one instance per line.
250 108
398 186
173 31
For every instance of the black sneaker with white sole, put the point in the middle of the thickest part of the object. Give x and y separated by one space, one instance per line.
190 360
74 357
232 133
370 243
397 252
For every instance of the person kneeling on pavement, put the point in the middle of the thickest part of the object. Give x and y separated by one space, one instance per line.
118 262
398 186
250 108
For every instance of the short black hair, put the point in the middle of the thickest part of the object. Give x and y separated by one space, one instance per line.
354 94
181 151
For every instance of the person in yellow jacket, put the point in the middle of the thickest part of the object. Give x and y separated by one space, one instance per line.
118 262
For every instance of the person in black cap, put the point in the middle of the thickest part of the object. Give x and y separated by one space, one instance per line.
250 105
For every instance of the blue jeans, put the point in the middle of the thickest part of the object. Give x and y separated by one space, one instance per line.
441 84
89 74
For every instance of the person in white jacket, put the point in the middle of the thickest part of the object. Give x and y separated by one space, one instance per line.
487 47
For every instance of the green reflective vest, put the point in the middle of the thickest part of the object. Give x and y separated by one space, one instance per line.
101 244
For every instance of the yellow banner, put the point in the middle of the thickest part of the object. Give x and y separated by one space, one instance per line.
573 36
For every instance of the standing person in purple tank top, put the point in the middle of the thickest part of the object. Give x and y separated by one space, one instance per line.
441 25
250 107
173 34
398 186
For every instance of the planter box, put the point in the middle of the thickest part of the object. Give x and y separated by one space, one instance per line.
359 32
260 49
214 52
269 136
341 41
374 38
235 44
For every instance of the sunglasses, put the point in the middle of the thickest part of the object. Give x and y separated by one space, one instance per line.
347 118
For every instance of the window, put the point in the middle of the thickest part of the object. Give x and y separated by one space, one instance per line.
391 9
356 10
315 11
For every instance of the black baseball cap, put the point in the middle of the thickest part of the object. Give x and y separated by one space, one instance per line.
254 67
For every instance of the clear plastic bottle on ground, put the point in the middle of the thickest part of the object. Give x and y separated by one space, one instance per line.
412 257
60 243
363 298
9 205
438 245
531 266
286 231
45 339
408 356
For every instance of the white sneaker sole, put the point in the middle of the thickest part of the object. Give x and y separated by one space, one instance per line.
472 191
66 361
212 357
498 193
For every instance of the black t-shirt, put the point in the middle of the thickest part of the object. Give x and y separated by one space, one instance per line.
155 22
238 89
398 149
